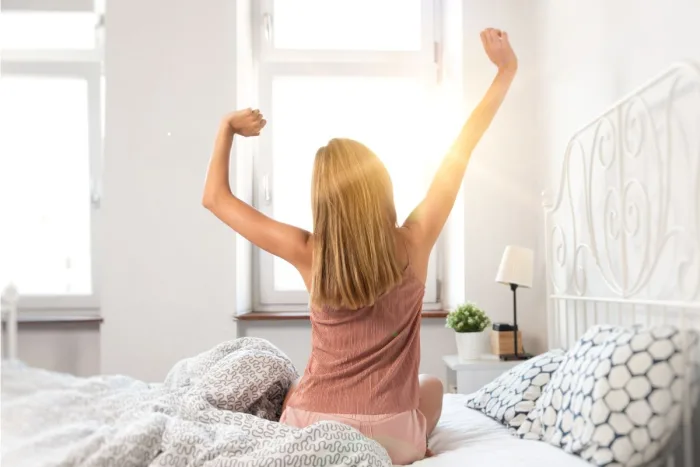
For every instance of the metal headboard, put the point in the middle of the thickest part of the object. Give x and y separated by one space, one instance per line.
622 234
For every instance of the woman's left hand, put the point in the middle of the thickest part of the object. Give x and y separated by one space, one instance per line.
246 122
497 47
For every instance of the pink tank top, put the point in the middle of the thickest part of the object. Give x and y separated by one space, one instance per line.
365 361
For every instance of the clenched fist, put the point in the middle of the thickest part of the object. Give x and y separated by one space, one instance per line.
246 122
498 49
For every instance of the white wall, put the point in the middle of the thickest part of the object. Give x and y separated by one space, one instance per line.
69 347
169 268
452 268
650 36
506 173
598 51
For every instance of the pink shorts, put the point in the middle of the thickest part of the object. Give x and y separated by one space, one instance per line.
403 434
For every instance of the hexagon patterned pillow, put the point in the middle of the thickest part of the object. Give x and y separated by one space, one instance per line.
618 395
510 397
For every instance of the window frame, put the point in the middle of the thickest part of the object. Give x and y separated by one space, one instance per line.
48 5
272 63
81 64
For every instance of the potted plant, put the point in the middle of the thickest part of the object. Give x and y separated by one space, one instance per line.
469 322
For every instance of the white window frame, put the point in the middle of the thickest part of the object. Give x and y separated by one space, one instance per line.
83 64
272 63
48 5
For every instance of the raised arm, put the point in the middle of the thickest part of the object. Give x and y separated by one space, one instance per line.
426 222
288 242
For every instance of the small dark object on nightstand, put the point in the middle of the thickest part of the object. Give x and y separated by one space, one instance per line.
514 357
503 327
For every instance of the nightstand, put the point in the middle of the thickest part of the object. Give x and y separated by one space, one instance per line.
469 376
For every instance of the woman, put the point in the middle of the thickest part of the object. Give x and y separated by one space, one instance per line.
365 274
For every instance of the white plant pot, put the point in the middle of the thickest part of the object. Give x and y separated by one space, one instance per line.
471 345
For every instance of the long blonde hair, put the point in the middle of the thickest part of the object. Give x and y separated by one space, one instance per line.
354 221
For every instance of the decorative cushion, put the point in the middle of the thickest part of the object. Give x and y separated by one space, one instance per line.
617 397
510 397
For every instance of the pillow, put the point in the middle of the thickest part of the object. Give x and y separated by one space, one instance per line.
617 396
510 397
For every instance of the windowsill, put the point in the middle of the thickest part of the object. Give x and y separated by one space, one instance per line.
304 315
56 318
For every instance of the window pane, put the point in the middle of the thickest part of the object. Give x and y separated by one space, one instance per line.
44 185
50 30
393 116
347 24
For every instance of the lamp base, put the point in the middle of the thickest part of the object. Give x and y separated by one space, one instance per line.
514 357
502 343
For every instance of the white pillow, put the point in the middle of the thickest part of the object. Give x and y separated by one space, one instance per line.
617 396
510 397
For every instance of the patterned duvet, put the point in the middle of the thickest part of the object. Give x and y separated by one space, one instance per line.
216 409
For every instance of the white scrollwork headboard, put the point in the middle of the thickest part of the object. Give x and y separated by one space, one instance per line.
622 234
625 224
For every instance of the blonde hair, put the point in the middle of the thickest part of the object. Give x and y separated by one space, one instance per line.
354 221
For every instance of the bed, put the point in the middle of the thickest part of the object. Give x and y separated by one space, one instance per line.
622 233
470 438
622 247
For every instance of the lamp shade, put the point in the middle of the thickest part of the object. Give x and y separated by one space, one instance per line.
516 266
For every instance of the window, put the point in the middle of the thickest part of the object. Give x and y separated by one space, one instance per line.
50 151
320 78
31 30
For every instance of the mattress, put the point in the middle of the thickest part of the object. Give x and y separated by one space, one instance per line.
466 437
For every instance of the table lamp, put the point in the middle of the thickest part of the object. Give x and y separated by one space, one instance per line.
516 270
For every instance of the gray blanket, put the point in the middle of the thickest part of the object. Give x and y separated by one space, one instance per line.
216 409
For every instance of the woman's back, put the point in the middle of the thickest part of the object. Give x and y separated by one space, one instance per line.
365 306
365 361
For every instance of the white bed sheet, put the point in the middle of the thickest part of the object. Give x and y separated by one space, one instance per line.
466 437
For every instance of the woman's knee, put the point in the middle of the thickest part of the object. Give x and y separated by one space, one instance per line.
431 393
430 404
431 384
